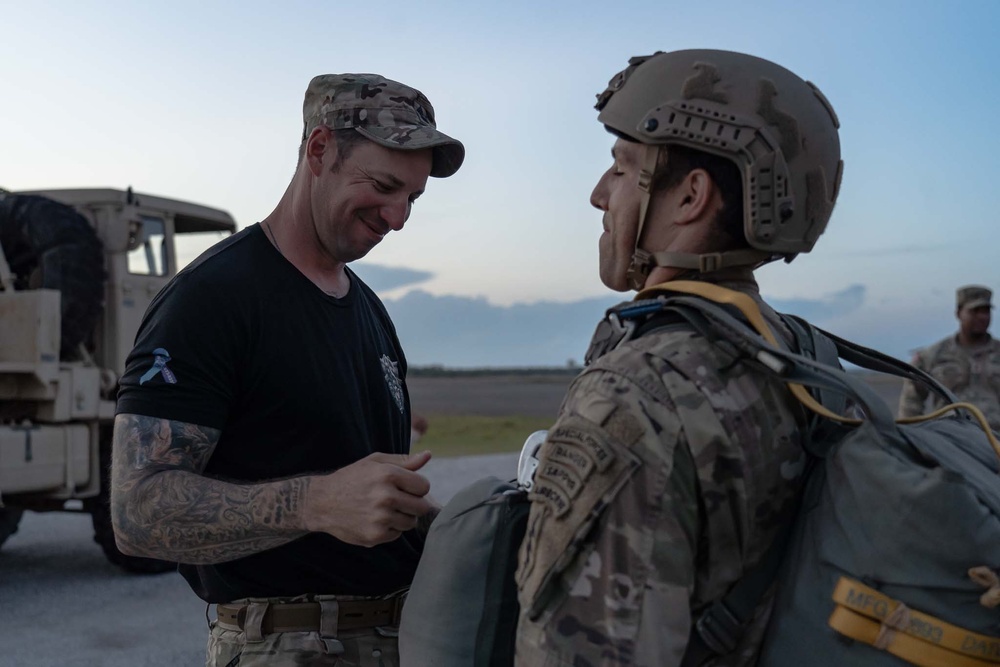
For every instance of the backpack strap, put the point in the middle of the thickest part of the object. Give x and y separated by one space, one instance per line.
873 360
632 319
724 318
732 319
709 308
623 322
719 629
764 347
816 345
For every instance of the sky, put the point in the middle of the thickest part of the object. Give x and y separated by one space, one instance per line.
497 265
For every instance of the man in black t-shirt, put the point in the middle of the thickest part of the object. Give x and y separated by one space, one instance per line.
262 436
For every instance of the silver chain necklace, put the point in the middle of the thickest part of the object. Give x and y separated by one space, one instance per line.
270 232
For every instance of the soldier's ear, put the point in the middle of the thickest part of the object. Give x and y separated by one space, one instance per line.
696 197
321 147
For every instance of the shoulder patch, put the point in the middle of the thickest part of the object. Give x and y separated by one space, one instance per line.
587 441
390 370
563 476
570 457
159 367
582 467
623 427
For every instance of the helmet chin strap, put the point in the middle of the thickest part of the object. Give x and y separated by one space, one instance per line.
640 266
644 261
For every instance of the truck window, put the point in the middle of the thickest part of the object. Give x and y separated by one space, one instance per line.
190 245
147 250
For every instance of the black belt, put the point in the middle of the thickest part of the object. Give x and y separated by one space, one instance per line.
305 616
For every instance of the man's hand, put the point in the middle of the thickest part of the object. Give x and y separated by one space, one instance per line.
371 501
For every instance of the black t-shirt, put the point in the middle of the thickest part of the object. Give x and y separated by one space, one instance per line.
298 382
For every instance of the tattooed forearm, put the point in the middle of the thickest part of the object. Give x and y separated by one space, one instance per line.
163 507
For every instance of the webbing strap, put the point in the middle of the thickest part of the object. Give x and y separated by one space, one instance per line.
858 599
650 156
259 619
909 648
712 261
752 313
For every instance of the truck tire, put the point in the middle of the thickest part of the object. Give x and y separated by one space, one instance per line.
9 519
50 245
104 533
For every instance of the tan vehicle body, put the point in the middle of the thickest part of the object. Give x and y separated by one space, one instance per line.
56 409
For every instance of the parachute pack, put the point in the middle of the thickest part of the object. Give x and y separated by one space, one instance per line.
461 610
893 557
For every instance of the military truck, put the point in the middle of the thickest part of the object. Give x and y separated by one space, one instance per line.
77 270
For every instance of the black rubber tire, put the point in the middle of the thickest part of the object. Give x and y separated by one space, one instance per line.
104 534
50 245
9 520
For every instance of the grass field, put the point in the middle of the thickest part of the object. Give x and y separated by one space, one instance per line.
468 435
472 414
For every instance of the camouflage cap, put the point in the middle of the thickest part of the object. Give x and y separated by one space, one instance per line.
973 296
387 112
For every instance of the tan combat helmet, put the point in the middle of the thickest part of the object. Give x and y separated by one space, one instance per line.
779 130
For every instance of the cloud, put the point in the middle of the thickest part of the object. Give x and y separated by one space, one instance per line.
890 251
468 332
384 278
825 309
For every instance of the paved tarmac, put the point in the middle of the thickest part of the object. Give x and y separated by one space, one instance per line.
62 604
488 395
534 395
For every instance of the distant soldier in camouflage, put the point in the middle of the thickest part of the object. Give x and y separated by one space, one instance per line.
968 362
268 452
670 469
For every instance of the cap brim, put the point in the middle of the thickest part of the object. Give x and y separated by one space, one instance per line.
448 153
977 303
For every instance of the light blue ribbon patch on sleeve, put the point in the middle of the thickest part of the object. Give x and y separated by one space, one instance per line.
159 366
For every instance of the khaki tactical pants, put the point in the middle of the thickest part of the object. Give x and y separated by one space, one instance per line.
251 643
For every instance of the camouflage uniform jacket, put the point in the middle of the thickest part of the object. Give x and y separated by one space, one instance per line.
664 479
972 373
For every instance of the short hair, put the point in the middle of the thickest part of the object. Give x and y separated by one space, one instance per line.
676 162
347 140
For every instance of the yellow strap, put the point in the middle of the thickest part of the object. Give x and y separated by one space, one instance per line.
751 311
976 412
901 645
923 636
749 308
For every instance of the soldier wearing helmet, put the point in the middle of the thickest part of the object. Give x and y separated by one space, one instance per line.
670 467
967 362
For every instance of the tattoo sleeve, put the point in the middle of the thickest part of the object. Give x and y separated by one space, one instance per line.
163 506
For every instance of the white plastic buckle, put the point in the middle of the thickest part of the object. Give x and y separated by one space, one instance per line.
527 463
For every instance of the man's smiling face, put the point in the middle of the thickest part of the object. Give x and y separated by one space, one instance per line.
359 199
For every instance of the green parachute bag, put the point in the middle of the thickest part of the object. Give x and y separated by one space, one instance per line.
895 552
461 610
